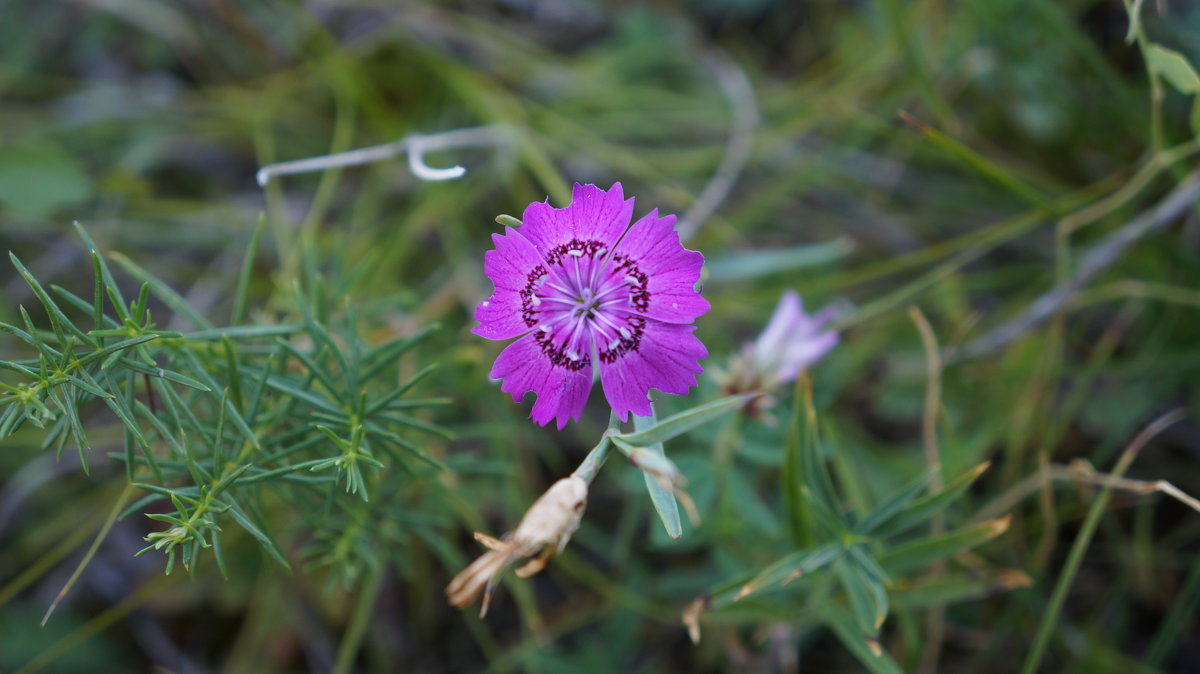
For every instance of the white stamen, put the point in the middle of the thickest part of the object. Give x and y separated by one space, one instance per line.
576 253
572 355
631 280
485 303
540 280
601 250
545 328
625 332
614 344
537 301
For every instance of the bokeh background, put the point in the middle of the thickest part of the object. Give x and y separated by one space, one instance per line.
874 155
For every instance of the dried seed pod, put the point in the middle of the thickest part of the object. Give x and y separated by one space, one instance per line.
544 530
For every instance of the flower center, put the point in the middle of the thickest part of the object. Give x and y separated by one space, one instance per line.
589 304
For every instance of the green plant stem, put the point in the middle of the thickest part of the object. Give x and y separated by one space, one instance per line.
48 559
1156 89
1079 547
594 461
363 608
96 625
87 557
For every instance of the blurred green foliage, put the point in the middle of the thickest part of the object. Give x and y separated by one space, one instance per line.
1030 134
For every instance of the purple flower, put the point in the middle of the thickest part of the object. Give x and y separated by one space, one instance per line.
791 342
581 287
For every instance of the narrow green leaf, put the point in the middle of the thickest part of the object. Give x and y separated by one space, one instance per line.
403 444
114 297
866 570
386 354
254 402
119 407
383 402
161 373
159 427
240 516
864 646
234 416
219 553
678 424
241 291
97 293
983 165
647 459
800 520
58 320
955 588
137 311
106 322
661 496
123 345
80 437
169 297
320 335
44 352
230 478
825 516
893 504
915 512
863 557
109 282
758 263
812 463
85 386
243 332
412 422
289 389
781 572
235 377
139 504
184 493
915 555
312 367
862 597
10 421
29 339
279 472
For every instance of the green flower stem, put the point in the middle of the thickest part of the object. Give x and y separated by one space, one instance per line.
594 460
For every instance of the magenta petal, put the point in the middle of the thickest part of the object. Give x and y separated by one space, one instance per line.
655 355
665 272
593 215
528 365
514 267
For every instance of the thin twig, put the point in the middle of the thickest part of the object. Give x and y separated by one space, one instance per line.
1080 472
415 146
1097 259
740 93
